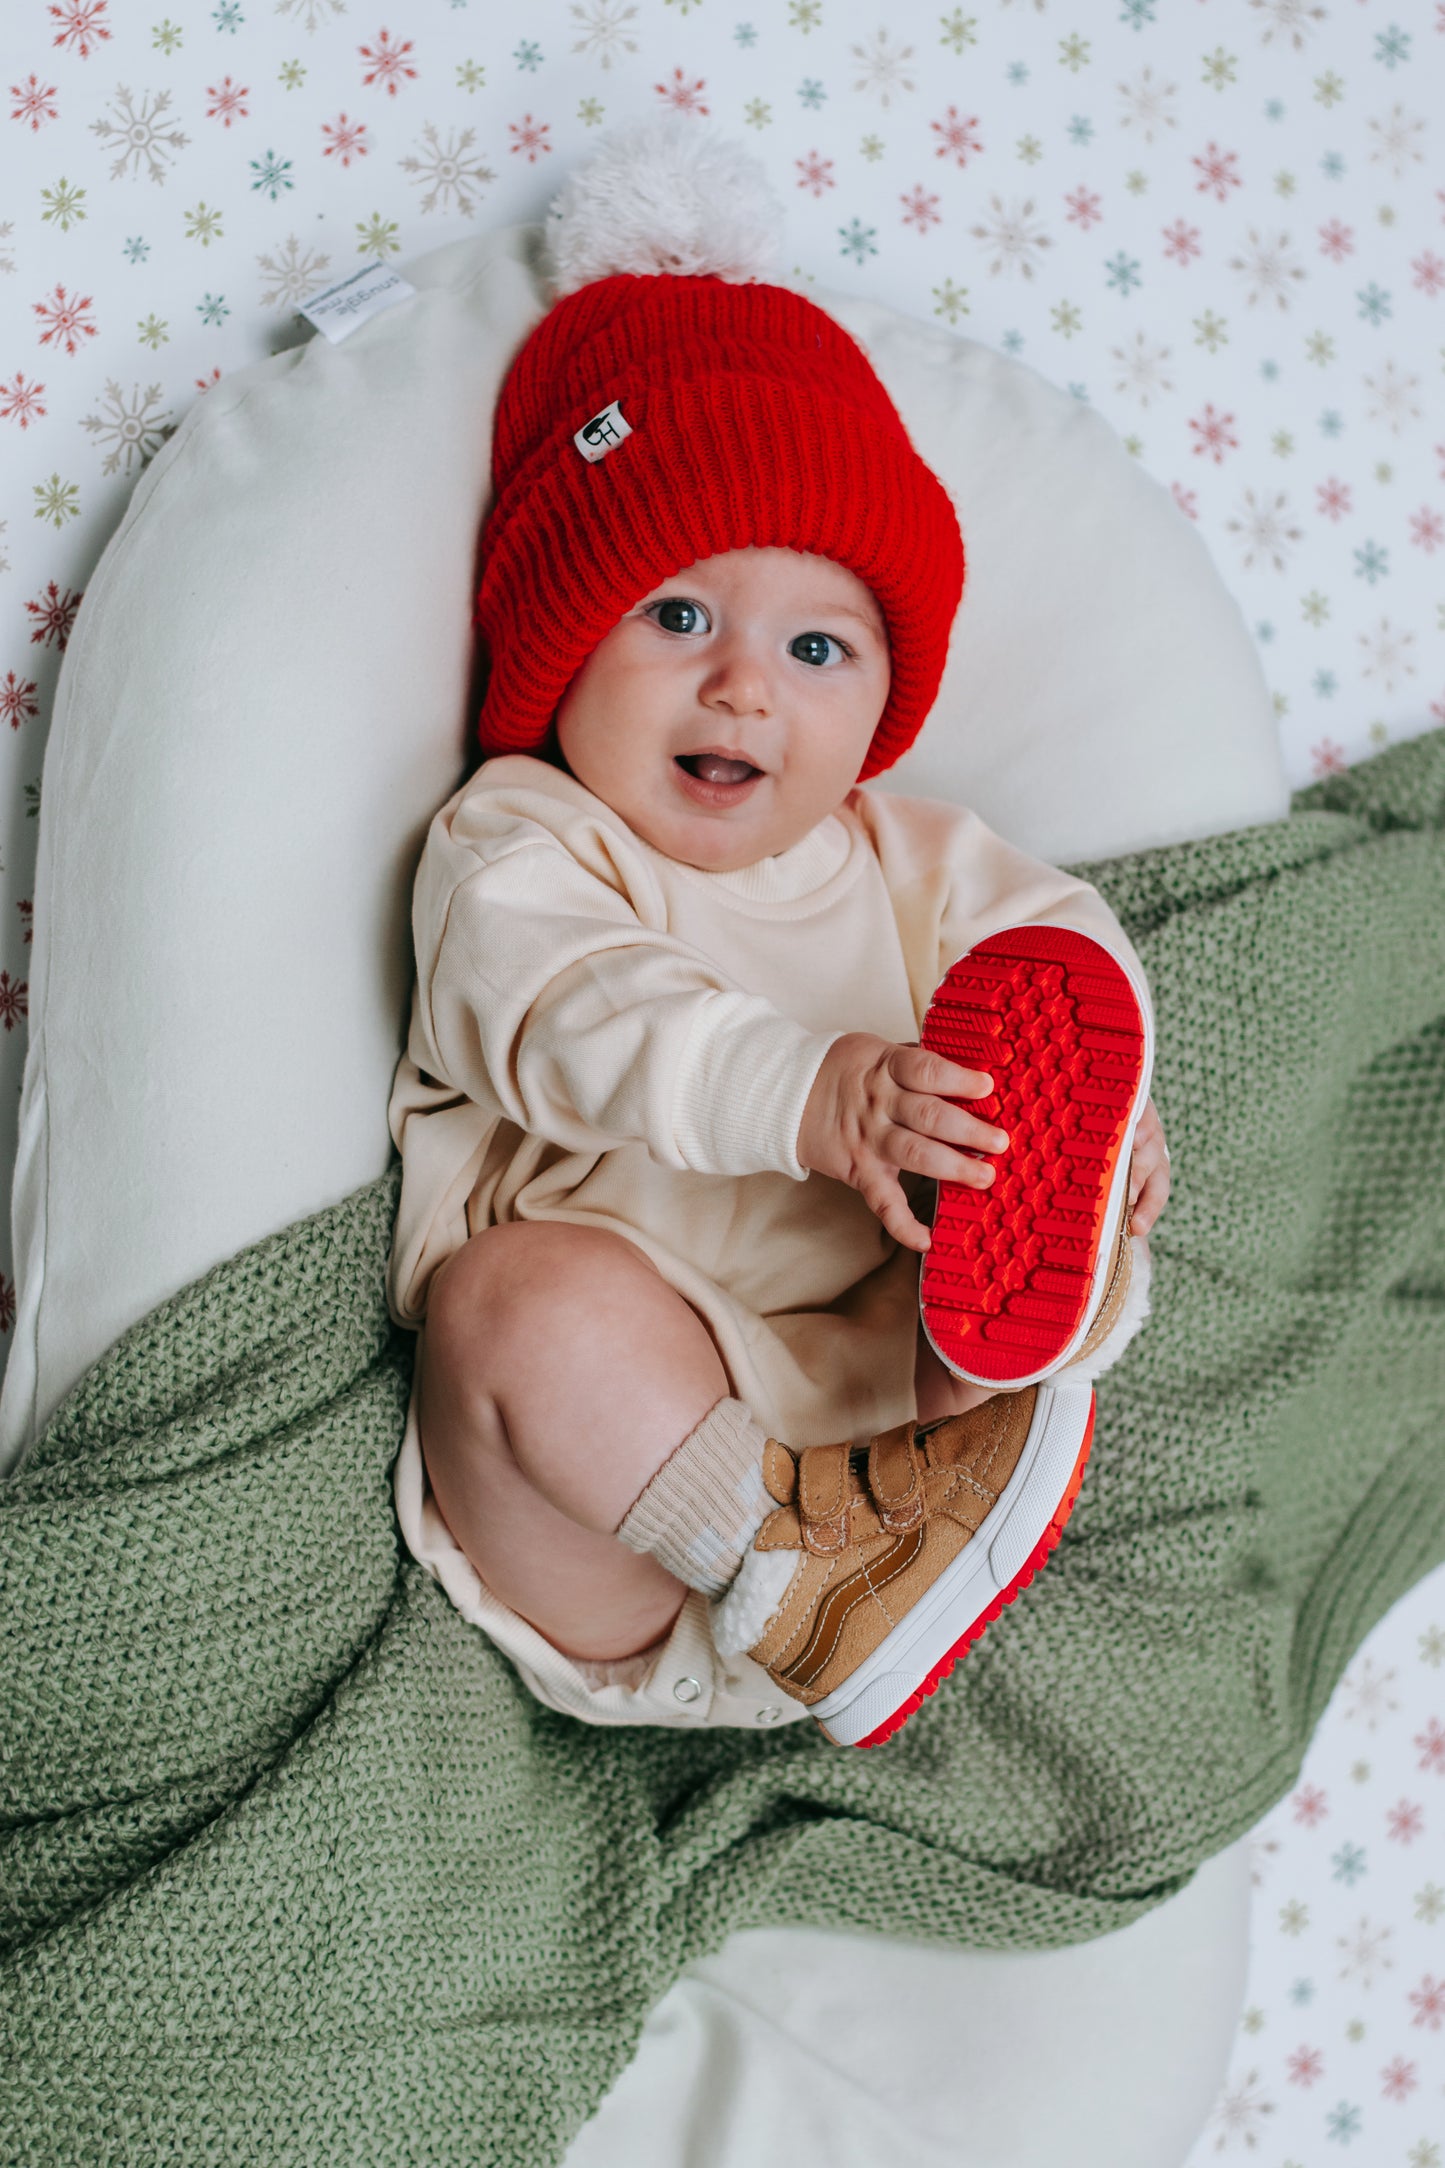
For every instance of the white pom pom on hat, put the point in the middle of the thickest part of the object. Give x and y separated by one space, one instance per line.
663 195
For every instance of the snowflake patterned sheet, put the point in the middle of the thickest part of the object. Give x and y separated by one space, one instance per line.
1221 222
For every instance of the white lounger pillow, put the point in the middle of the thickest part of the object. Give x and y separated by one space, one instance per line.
266 698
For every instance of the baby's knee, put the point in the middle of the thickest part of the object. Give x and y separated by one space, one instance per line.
533 1292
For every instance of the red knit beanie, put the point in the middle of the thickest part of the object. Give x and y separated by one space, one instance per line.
651 421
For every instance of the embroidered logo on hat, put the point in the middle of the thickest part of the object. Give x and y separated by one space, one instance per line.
595 439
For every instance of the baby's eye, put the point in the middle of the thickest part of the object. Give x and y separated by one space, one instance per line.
680 606
813 647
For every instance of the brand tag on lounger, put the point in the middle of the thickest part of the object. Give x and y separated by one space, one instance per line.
595 439
337 310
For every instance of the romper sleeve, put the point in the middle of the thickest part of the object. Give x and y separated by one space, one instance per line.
550 1002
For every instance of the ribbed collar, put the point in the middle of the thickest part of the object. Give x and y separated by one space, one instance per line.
788 874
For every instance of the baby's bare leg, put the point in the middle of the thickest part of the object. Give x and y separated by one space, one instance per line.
559 1370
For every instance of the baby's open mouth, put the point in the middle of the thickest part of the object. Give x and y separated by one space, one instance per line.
712 768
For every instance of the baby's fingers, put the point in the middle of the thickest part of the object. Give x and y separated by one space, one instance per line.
1151 1200
883 1195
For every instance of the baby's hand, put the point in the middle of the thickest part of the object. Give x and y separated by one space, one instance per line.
875 1107
1148 1172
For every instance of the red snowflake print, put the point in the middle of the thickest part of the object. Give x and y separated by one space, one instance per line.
815 173
7 1303
1337 241
1084 209
14 1002
26 907
35 102
1326 758
1186 499
54 615
388 62
80 22
1431 1741
1215 435
1429 274
1440 455
348 139
66 319
1427 532
1429 2001
207 383
1335 498
682 94
1398 2080
1217 170
16 705
228 106
1181 242
20 402
956 136
531 136
1405 1822
920 209
1305 2067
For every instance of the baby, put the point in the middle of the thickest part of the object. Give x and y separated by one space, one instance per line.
682 1439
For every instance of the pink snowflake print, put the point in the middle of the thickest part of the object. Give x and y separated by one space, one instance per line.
348 139
208 383
920 210
682 94
388 62
13 1000
1335 498
1440 455
531 136
25 905
16 705
1429 2001
35 102
956 136
1429 274
7 1303
1181 242
1309 1800
1215 435
80 22
1431 1742
1437 709
1186 499
1084 209
67 320
1427 532
815 173
1217 170
1404 1822
1305 2067
228 106
54 615
1326 758
20 402
1337 241
1398 2080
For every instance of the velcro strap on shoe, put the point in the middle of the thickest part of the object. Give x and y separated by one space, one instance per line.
823 1497
780 1472
895 1478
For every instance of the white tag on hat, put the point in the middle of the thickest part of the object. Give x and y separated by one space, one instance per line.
337 310
595 439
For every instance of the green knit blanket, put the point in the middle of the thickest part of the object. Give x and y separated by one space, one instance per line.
296 1871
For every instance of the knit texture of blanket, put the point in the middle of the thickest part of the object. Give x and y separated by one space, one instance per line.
294 1870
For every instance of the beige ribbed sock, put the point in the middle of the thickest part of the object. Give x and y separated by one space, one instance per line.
699 1514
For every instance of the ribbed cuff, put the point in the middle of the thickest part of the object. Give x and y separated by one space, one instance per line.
707 1501
742 1084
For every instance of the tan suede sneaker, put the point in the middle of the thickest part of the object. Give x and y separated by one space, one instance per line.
909 1546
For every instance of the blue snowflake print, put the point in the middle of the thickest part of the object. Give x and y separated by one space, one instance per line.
1374 304
1372 563
1081 129
1264 632
1274 109
1332 165
1269 370
137 250
1392 45
1136 13
812 93
1301 1992
228 17
272 173
1017 72
213 309
528 55
1012 342
1331 422
859 241
745 35
1123 272
1326 684
1349 1861
1079 392
1343 2123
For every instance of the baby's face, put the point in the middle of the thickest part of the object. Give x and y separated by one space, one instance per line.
765 656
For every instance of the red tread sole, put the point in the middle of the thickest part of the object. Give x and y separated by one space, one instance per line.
1037 1557
1051 1016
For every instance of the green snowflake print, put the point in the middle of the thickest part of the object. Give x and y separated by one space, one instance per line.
471 75
589 112
66 205
152 332
859 241
1320 349
212 309
203 225
377 237
57 501
1329 89
1430 1904
273 174
959 30
757 113
292 74
1315 607
1136 182
1066 319
166 37
950 301
684 7
1219 68
1074 53
1030 150
1210 331
804 15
